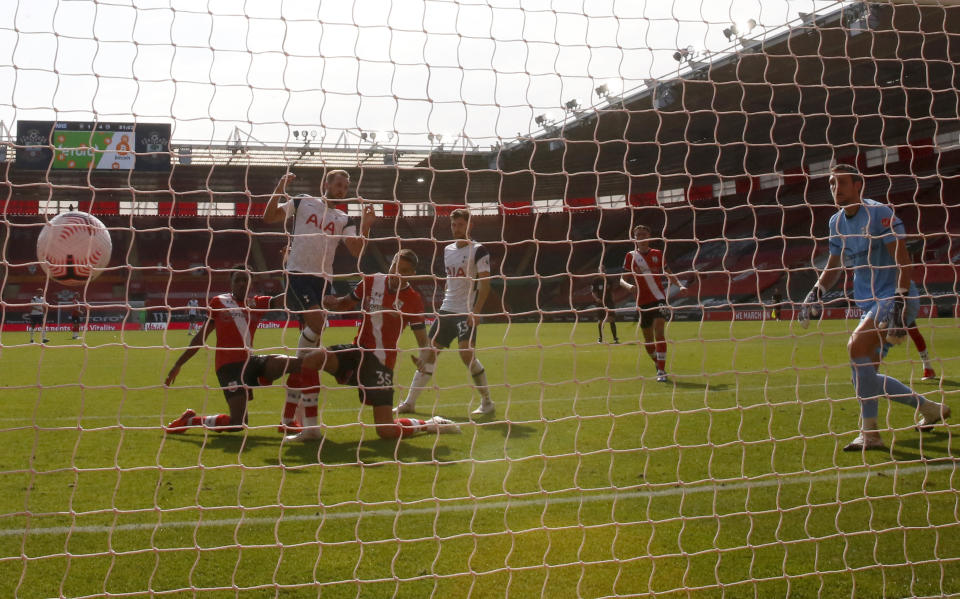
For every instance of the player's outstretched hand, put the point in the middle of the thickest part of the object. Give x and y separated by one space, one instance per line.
172 376
811 306
286 178
682 290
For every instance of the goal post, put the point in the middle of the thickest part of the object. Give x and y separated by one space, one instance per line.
643 362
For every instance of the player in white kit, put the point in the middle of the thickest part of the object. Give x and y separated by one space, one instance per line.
194 324
318 227
467 266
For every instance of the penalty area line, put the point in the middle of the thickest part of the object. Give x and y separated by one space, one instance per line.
789 479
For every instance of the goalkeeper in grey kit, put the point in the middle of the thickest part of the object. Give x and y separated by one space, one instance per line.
867 236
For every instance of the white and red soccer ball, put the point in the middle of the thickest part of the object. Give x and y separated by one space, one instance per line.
73 248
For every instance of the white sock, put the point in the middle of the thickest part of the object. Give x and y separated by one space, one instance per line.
308 340
419 383
308 403
480 380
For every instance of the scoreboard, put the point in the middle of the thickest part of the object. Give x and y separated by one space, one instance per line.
71 145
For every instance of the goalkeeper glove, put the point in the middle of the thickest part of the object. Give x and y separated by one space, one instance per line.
811 306
895 324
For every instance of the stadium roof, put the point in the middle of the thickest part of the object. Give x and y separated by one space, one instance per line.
865 76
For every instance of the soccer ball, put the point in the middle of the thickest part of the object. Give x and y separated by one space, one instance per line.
73 248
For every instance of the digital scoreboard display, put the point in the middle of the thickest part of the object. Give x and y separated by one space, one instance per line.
66 145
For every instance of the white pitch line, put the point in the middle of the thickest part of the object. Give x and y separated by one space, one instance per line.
666 393
789 479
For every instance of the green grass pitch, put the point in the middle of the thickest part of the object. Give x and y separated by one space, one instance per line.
592 480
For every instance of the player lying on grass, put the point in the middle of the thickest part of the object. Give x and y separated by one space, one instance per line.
388 303
867 236
234 316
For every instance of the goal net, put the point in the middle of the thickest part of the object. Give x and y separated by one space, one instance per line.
641 409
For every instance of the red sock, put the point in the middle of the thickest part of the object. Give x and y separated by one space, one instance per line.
310 379
918 339
295 380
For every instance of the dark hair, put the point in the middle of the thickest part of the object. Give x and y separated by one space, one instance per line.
634 230
410 256
848 169
461 213
239 269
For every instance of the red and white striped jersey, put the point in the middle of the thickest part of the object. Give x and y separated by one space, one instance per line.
385 313
235 325
647 270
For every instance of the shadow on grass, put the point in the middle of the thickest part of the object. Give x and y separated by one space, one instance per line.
704 386
946 383
935 442
319 451
509 430
366 452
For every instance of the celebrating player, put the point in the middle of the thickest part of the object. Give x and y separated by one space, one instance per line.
388 303
467 265
318 227
235 319
602 293
646 267
37 309
867 236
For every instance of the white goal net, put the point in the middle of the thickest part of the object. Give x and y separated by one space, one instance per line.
479 298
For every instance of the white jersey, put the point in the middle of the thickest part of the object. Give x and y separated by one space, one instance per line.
317 229
193 305
461 265
37 308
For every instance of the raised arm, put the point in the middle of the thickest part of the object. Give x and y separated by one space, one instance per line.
355 244
195 344
274 213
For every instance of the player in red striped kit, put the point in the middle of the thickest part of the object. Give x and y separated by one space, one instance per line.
645 267
235 319
389 304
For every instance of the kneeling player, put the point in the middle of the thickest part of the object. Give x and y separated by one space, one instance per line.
388 303
235 319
